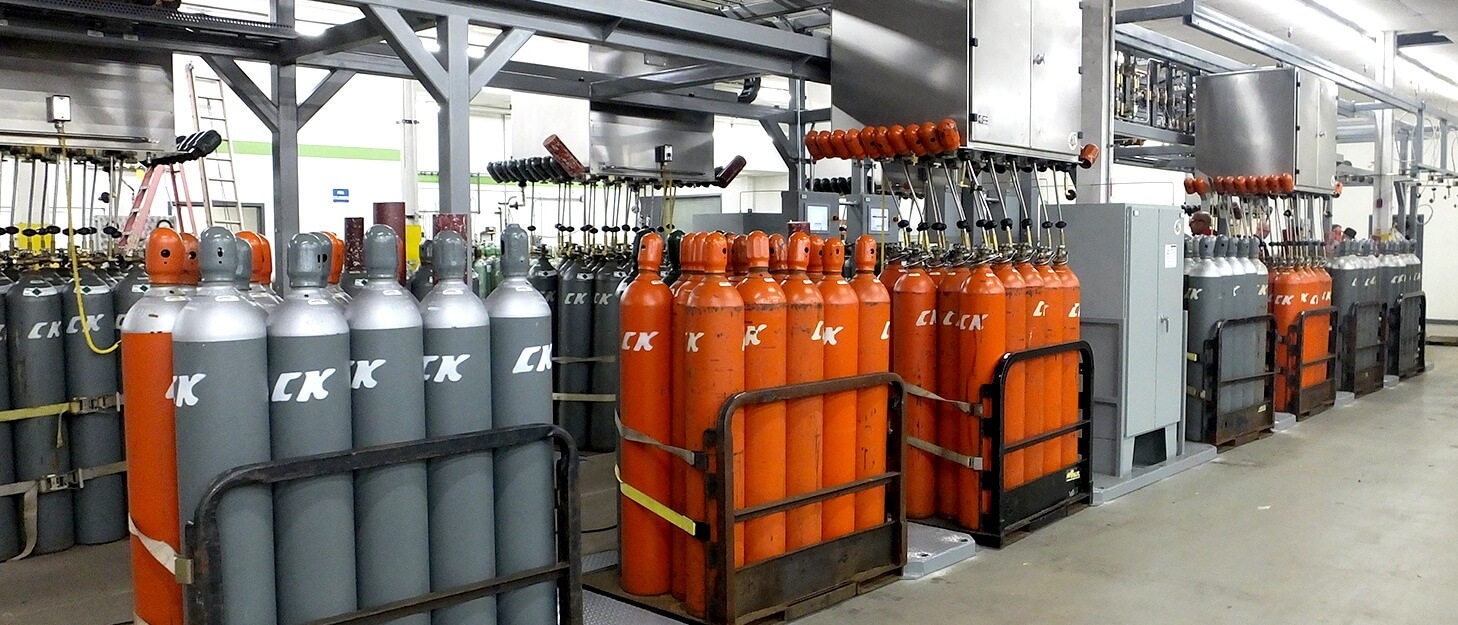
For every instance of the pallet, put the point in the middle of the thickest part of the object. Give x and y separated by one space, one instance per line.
1038 522
1244 439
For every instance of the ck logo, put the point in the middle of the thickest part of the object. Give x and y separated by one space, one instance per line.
93 323
1285 300
310 389
973 322
751 335
543 354
1041 310
819 327
1265 290
693 341
1076 311
364 373
575 298
1190 294
45 330
886 332
1235 291
947 318
449 369
926 318
602 299
1370 281
832 333
180 391
638 341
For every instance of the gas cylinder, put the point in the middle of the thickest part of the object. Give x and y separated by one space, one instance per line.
1346 285
220 391
893 268
805 362
36 331
353 278
1285 309
9 525
521 382
96 437
420 282
714 363
646 362
842 340
981 345
127 291
950 379
817 260
1205 305
873 356
310 413
1034 370
336 270
1071 317
779 256
672 258
389 407
1014 408
766 315
1050 318
689 278
738 258
243 273
602 429
191 274
575 284
543 278
151 435
913 357
258 287
458 401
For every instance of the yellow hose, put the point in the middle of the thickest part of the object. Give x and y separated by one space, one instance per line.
71 249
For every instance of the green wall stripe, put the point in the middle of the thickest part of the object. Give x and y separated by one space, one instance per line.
264 148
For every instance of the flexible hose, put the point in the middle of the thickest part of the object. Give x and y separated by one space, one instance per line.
71 250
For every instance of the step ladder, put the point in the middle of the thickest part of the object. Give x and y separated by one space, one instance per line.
134 231
219 179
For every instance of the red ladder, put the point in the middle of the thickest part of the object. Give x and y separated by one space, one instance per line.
135 228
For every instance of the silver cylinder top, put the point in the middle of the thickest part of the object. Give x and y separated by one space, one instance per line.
381 252
427 252
305 257
515 251
451 255
217 255
244 273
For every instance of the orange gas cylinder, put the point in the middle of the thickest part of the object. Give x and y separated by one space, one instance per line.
817 260
151 436
950 383
1051 320
738 258
714 364
842 339
892 271
913 357
1321 335
896 136
1285 308
1014 412
646 361
805 362
873 356
1315 287
336 258
981 345
779 266
812 146
691 274
765 317
1034 370
1072 318
262 257
190 272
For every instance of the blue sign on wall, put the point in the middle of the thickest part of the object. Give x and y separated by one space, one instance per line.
341 196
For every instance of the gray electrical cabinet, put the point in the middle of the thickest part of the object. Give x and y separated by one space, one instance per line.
1129 259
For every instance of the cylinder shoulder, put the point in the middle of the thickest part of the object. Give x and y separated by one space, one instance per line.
307 314
453 306
156 312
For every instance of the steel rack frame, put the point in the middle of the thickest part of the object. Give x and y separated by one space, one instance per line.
1239 425
1367 380
1309 401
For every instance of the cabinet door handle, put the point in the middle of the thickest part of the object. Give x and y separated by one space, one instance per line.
1165 321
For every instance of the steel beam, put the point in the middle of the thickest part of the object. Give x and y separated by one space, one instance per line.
454 130
691 76
642 25
1175 10
506 45
407 45
341 38
254 98
285 83
783 145
323 92
1123 128
1162 46
1425 38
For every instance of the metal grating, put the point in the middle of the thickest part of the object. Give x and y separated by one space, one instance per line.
93 9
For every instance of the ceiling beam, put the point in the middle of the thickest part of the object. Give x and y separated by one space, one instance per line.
1425 38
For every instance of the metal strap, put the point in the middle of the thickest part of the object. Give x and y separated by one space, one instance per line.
82 405
689 526
693 458
970 462
163 554
967 407
575 360
597 398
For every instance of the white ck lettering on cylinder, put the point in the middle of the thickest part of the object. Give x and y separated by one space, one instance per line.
831 334
311 389
1041 310
693 341
751 335
926 318
181 389
45 330
93 323
524 361
364 373
449 369
1075 311
973 322
638 341
886 332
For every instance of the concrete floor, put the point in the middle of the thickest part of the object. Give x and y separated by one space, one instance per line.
1348 518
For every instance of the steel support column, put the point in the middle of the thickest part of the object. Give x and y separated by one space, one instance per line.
1098 98
1384 157
797 135
285 82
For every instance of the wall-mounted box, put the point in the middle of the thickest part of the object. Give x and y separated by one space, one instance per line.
1267 122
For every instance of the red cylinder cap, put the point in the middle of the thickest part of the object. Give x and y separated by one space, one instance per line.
757 250
716 253
816 260
738 253
866 253
797 256
1288 183
689 248
650 253
191 274
930 137
262 261
778 252
166 257
336 257
833 256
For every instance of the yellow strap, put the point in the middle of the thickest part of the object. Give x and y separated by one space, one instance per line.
689 526
967 407
76 406
970 462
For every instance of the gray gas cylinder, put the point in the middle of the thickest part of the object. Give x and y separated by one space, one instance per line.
255 291
575 284
1204 303
220 389
1346 285
37 377
420 283
672 259
387 349
458 401
521 378
1368 321
128 290
602 432
96 437
543 277
9 523
352 281
310 412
